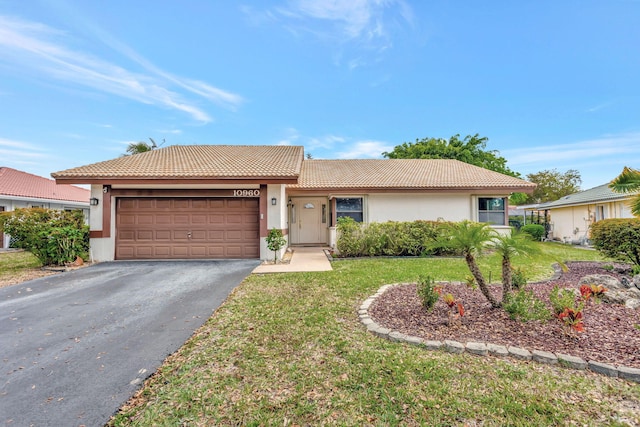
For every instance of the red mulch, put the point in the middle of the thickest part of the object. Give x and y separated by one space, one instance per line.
610 333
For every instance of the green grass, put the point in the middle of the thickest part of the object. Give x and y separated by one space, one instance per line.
13 262
288 349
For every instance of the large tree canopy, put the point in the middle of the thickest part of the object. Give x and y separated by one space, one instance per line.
471 149
553 185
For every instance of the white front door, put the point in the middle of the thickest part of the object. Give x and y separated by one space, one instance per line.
308 221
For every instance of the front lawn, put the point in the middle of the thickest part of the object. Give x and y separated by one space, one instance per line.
288 349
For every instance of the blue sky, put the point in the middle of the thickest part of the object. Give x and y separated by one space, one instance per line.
552 84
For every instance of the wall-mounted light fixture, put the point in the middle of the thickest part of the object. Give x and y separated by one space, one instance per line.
93 201
273 201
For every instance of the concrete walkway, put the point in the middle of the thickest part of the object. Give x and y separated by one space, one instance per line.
303 259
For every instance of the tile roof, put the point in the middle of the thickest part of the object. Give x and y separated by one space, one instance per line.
601 193
21 184
403 174
197 161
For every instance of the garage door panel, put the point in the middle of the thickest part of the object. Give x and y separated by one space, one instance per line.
166 228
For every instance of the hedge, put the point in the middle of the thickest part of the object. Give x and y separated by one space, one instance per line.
390 238
618 239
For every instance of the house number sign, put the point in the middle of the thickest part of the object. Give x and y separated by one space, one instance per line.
246 193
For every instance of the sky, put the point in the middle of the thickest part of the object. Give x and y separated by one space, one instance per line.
552 84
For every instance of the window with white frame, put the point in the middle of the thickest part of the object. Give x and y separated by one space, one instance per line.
491 210
351 207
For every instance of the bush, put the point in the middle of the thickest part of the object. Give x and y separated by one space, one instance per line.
518 278
428 292
618 239
562 299
54 237
275 241
524 306
392 238
534 230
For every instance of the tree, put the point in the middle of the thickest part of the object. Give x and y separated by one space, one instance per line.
553 185
275 241
471 149
629 182
508 247
471 238
142 147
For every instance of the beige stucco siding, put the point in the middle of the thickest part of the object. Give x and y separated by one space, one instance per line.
411 207
571 223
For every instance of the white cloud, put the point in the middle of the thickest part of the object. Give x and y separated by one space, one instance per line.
36 48
365 149
598 160
613 145
362 25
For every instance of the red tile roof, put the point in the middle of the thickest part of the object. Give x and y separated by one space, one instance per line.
197 161
436 174
21 184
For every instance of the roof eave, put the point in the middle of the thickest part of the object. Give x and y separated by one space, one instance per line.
176 180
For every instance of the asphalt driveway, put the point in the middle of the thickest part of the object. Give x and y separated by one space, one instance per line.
75 346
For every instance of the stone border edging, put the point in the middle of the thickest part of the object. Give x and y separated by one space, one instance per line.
484 349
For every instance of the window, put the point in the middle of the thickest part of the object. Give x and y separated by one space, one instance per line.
351 207
491 210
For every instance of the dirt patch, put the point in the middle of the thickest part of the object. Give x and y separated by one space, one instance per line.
611 332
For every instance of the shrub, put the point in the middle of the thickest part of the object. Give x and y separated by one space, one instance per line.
54 237
428 292
562 299
392 238
518 279
349 237
524 306
536 231
618 239
275 241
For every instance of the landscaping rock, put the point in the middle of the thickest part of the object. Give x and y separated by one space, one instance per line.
397 336
603 368
632 303
631 374
453 346
617 292
572 361
477 348
414 340
636 281
541 356
497 350
433 345
520 353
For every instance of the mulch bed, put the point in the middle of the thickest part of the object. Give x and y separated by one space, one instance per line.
610 330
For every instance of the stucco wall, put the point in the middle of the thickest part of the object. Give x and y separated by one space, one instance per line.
571 224
411 207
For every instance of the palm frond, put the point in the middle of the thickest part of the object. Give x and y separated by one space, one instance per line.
627 182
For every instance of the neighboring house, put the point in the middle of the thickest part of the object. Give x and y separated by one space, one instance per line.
571 216
23 190
214 201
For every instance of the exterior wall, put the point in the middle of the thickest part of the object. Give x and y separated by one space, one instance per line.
276 218
412 207
571 224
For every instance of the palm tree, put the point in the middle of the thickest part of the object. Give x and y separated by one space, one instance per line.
628 182
509 246
471 238
138 147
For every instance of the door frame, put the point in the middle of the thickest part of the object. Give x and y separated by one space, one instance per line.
321 226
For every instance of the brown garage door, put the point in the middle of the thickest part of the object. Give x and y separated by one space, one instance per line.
180 228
